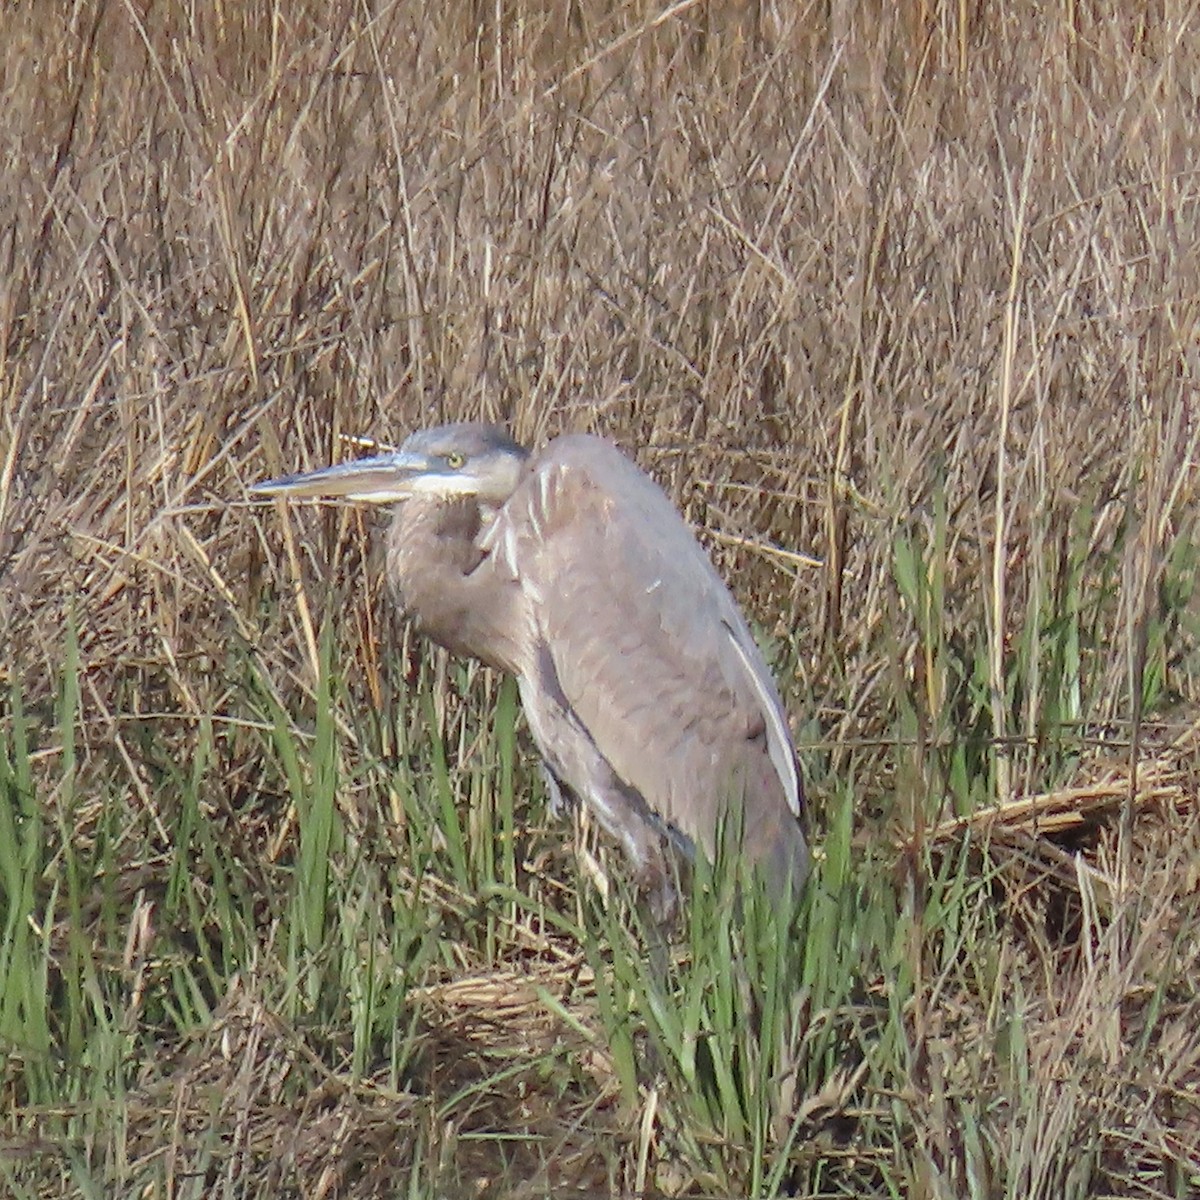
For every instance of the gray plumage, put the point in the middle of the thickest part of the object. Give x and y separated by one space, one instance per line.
642 685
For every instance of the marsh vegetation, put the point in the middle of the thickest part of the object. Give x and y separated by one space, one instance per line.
912 290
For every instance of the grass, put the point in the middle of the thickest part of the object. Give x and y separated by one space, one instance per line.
281 910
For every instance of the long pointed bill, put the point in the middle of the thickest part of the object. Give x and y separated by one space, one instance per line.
383 479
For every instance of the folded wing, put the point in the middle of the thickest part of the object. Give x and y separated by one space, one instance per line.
650 648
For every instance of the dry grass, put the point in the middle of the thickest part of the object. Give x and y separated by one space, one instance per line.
913 293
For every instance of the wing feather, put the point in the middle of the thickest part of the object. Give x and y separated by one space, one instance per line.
649 646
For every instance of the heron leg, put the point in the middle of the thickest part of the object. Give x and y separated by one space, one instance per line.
559 799
575 764
624 816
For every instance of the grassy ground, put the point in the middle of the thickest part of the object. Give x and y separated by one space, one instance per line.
281 912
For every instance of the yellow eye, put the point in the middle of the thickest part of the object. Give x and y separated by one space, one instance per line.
454 460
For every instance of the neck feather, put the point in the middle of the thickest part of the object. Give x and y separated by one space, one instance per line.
442 580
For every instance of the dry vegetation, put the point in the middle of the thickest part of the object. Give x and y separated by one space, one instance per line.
917 294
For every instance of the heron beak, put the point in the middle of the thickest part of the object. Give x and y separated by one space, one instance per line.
383 479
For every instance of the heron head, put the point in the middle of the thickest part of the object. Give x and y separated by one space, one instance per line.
446 462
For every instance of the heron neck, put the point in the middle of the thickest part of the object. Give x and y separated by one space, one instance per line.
437 572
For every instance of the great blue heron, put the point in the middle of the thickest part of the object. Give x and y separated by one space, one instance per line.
642 685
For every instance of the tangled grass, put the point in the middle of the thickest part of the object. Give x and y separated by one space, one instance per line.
912 291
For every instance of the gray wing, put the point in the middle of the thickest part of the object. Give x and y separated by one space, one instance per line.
649 647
